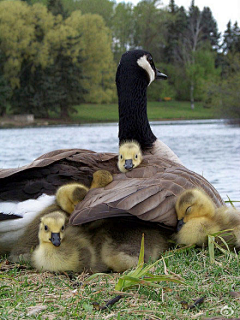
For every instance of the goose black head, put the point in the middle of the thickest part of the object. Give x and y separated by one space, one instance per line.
138 64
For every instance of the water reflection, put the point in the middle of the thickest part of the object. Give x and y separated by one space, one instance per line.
210 148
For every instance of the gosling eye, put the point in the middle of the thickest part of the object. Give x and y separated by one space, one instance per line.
188 210
63 227
121 156
136 156
46 228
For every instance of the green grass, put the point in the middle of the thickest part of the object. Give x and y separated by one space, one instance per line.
26 294
156 111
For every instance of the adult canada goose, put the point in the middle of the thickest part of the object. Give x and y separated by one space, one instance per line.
148 192
198 217
130 156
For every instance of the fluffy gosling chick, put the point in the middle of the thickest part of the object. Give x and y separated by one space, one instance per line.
59 247
130 156
198 217
69 195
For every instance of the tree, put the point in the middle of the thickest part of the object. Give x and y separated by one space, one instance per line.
150 27
56 7
122 28
5 89
98 65
104 8
209 28
231 38
194 47
176 26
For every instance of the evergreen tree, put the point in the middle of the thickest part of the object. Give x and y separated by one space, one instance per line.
56 7
231 38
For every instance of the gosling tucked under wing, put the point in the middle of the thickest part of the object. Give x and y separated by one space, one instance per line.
60 248
198 217
97 247
130 156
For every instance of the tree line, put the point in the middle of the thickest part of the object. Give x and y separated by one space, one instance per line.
55 54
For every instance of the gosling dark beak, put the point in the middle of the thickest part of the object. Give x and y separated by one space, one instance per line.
180 224
160 75
128 164
55 239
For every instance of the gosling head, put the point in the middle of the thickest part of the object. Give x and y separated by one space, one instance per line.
52 228
130 156
101 178
193 204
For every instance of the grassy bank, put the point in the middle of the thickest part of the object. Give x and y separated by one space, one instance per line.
165 110
93 113
26 294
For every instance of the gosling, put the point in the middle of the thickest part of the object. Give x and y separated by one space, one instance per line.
198 217
69 195
130 156
61 247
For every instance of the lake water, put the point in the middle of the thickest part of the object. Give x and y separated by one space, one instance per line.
210 148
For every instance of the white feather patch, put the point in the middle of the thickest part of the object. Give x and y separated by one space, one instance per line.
27 209
143 63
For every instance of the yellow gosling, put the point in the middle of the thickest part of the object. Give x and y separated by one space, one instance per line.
130 156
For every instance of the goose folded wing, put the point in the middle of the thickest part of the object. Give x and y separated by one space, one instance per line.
50 171
148 192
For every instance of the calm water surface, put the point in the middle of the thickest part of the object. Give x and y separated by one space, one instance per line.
210 148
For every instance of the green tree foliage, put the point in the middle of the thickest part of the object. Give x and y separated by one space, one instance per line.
123 29
53 63
104 8
5 89
231 38
97 66
225 95
54 59
56 7
150 27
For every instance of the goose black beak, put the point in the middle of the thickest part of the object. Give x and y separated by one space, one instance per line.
55 239
180 224
128 164
160 75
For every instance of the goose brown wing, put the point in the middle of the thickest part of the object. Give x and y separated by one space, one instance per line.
148 192
51 170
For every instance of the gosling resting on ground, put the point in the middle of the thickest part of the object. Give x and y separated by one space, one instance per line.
130 155
60 248
102 246
198 217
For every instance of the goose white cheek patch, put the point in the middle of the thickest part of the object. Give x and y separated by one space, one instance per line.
143 63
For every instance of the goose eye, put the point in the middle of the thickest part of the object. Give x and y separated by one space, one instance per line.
136 156
121 157
62 229
150 59
46 228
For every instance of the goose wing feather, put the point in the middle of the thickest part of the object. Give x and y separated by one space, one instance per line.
148 192
51 170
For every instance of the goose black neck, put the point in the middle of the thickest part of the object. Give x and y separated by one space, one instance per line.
133 120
